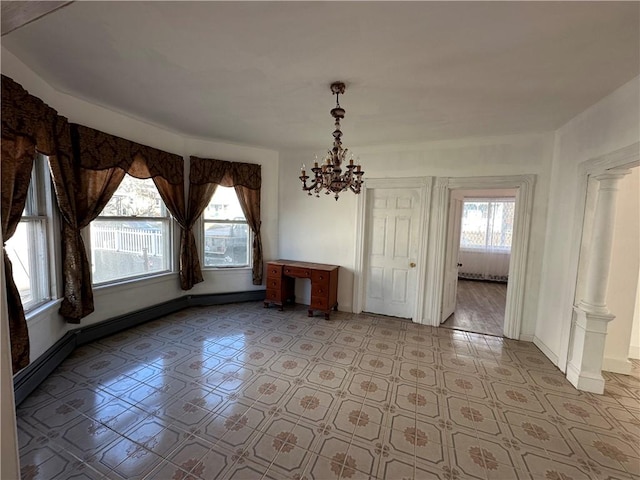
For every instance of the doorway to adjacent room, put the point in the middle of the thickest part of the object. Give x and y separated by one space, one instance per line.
478 251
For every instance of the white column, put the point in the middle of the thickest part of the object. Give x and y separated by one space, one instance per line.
592 316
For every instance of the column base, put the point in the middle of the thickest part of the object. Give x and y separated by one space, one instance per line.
587 382
587 350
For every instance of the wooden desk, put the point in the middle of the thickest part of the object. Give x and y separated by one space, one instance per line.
281 275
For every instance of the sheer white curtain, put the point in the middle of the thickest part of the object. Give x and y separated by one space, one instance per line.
485 241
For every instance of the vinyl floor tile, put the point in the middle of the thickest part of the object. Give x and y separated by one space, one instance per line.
240 392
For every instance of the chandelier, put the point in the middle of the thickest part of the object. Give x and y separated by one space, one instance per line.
329 176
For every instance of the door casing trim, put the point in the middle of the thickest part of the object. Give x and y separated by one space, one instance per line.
524 185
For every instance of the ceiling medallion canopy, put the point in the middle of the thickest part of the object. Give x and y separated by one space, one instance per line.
329 177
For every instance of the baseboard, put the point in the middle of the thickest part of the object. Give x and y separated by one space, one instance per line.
222 298
28 379
527 338
546 350
634 352
114 325
616 365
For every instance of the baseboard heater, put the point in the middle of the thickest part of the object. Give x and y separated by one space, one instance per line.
28 379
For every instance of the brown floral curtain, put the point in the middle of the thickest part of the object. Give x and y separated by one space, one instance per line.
190 269
246 178
81 195
16 173
85 185
28 125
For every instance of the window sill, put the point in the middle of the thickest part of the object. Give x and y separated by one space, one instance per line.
41 310
225 269
130 282
484 250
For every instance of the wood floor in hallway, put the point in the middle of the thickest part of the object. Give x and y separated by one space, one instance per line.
480 307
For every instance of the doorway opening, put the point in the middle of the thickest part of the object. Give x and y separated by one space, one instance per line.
478 252
523 186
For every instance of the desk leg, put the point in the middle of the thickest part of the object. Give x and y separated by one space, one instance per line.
310 313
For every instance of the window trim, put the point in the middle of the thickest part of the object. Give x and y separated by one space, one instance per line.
41 208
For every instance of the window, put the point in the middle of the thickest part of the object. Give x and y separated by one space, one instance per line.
226 233
487 224
132 235
28 247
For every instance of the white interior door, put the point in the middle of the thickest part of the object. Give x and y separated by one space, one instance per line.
393 216
450 290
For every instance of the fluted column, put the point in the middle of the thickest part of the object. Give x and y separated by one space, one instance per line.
592 316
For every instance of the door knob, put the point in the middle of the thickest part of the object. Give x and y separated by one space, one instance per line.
412 265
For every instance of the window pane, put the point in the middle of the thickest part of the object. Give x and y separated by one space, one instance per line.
129 248
225 244
224 205
135 198
226 233
27 251
487 224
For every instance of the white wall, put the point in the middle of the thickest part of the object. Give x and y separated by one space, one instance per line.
609 125
634 344
46 326
623 276
484 265
323 230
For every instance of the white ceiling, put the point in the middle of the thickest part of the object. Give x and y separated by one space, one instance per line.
258 73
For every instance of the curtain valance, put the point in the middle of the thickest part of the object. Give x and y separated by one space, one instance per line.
226 174
96 150
26 116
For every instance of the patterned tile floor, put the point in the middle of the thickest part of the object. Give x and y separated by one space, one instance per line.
238 391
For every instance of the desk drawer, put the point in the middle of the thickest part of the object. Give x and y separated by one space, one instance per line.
273 295
274 283
297 272
319 290
274 270
320 277
319 303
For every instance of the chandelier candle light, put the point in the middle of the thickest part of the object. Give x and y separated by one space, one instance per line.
329 176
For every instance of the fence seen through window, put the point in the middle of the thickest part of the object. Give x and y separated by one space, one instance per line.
132 235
